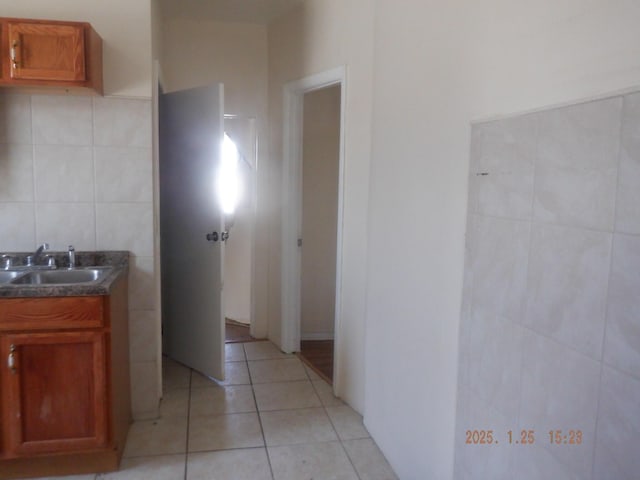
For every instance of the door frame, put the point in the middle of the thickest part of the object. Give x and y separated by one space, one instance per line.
292 209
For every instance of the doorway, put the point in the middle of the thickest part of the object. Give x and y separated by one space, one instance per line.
238 257
320 177
296 289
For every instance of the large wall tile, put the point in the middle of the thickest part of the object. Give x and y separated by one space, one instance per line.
567 285
483 461
63 173
577 163
627 211
123 174
15 119
498 257
120 122
494 368
143 344
502 175
144 390
534 462
125 226
622 340
18 227
618 434
16 173
560 391
142 293
64 224
62 120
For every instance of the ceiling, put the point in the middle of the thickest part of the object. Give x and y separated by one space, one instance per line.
246 11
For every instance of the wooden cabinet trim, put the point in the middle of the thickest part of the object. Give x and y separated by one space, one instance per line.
47 313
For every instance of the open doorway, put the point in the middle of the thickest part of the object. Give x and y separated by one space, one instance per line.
238 257
320 180
295 289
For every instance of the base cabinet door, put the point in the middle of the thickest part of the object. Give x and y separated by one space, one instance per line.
55 385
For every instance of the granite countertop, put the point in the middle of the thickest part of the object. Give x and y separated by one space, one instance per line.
119 260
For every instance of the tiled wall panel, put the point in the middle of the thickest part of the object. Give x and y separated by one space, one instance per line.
550 328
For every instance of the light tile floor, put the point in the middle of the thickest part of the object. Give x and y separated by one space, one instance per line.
271 419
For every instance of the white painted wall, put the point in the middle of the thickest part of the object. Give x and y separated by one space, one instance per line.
320 175
202 52
125 28
439 65
319 36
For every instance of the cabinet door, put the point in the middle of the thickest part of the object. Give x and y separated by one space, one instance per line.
40 51
54 392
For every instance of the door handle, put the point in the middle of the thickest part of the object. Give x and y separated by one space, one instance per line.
212 237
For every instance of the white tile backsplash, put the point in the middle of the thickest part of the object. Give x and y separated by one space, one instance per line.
78 170
123 174
122 122
142 340
63 173
64 224
572 355
125 226
62 120
15 119
16 173
142 295
18 226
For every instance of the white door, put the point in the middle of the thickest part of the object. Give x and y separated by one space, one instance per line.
190 139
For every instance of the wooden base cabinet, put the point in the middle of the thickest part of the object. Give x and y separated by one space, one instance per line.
65 391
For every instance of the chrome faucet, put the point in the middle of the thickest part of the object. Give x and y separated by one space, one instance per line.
33 259
72 257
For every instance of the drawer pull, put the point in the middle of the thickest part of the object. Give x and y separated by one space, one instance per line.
11 361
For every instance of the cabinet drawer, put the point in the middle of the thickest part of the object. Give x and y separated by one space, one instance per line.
51 313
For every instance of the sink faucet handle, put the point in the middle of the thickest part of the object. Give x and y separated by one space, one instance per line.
7 261
51 261
72 257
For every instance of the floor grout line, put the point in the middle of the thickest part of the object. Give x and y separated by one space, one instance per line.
255 401
186 453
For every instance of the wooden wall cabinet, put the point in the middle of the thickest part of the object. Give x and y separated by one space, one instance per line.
50 56
64 383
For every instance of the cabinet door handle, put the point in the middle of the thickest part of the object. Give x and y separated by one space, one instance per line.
14 58
11 360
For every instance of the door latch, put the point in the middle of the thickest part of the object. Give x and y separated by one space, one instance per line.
212 237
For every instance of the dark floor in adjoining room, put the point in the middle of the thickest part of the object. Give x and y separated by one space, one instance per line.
318 354
236 332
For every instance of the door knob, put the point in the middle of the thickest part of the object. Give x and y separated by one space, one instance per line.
212 237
